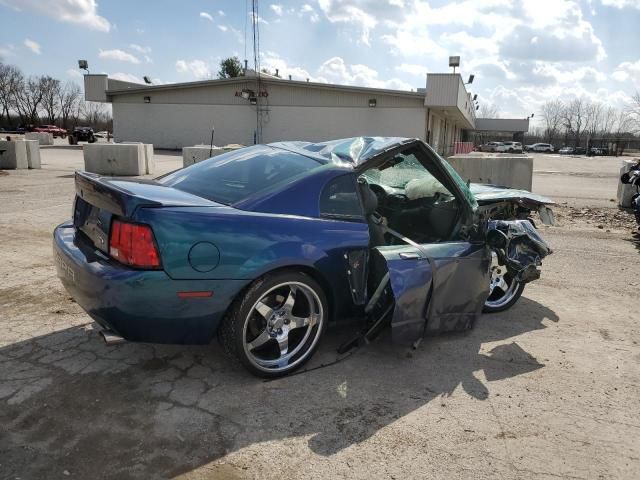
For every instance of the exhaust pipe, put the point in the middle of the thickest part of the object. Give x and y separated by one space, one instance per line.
111 338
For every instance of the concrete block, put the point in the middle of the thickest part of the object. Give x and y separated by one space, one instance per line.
625 192
514 171
13 155
198 153
43 137
33 153
115 159
150 162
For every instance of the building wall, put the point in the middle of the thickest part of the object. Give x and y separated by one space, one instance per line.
173 125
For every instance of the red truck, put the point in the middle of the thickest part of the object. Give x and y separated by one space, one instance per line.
55 131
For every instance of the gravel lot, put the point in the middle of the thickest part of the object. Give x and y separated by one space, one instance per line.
549 389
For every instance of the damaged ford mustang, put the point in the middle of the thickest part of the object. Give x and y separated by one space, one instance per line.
263 247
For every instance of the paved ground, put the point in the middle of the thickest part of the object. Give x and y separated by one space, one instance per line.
549 389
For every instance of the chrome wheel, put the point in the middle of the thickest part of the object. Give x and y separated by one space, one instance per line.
282 328
504 289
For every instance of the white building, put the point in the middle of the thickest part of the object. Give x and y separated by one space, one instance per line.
265 109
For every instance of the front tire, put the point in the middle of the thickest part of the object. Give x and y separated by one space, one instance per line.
276 326
504 290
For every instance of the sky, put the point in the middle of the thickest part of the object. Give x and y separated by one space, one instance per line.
522 53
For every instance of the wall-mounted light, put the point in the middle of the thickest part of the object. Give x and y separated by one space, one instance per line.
474 97
373 102
477 107
253 100
83 65
147 99
470 81
147 80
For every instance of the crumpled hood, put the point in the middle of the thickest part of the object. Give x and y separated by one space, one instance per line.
493 193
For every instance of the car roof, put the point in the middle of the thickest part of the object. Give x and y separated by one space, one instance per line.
354 151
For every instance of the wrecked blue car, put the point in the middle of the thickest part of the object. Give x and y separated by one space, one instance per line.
265 246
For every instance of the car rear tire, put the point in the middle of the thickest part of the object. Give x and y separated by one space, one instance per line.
276 325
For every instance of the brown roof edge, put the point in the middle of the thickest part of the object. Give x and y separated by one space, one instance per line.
296 83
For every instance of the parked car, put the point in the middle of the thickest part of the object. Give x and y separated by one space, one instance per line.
513 147
567 151
493 147
52 129
84 134
540 147
102 134
264 245
599 151
580 150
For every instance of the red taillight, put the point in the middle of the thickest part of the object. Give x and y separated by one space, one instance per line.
133 245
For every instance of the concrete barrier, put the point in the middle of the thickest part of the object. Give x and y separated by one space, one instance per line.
198 153
625 192
13 155
43 137
149 158
514 171
33 153
115 159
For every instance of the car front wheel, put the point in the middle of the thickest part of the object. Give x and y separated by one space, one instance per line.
277 324
504 290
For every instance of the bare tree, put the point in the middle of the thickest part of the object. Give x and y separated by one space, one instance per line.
574 119
553 113
68 101
488 110
609 115
633 111
93 113
50 94
11 80
593 118
29 98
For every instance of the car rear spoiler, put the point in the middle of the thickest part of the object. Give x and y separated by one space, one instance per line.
123 196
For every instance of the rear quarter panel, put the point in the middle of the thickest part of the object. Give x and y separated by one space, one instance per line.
251 244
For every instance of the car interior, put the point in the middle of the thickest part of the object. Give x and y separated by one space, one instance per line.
403 195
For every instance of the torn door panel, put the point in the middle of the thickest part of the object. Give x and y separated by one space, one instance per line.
437 288
410 276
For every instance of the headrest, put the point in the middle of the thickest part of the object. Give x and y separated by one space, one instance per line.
369 199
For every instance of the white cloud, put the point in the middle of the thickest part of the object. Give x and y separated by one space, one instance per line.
308 10
7 51
206 15
223 28
33 46
139 48
277 9
118 55
412 69
196 68
622 3
72 72
336 70
125 77
628 71
221 13
82 12
352 13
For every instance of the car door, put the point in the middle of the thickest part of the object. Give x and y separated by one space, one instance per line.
438 285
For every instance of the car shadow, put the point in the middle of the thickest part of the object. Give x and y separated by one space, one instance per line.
69 402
